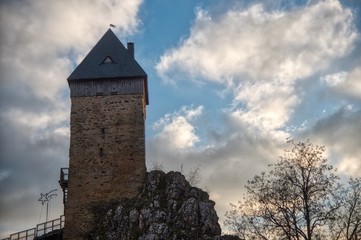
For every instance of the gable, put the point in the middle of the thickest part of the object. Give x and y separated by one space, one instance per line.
108 59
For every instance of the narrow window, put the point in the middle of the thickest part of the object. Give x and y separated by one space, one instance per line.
101 152
103 132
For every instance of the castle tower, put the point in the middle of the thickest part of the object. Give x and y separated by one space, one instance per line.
109 95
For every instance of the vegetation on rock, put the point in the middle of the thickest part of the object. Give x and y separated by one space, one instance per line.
167 208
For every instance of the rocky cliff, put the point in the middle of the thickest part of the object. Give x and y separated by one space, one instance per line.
167 208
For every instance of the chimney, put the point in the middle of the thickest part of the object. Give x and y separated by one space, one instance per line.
130 47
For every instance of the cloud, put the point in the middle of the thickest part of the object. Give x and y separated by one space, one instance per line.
177 133
30 162
345 83
41 42
227 157
257 44
340 132
270 61
268 105
230 156
41 35
260 55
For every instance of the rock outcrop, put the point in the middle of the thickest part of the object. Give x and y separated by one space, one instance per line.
167 208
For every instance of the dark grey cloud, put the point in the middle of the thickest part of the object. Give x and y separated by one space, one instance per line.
41 41
28 167
340 133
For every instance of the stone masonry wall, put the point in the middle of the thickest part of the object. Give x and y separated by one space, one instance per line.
107 149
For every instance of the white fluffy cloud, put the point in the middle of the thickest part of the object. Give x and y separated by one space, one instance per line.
177 132
345 83
262 54
268 105
260 45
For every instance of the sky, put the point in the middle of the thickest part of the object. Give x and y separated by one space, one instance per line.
229 82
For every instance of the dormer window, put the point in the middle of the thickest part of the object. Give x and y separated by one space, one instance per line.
107 60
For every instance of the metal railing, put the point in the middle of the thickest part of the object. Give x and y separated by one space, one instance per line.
40 230
24 235
50 226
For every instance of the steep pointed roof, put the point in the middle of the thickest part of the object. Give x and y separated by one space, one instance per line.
108 59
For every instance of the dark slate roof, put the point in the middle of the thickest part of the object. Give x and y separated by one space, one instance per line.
96 64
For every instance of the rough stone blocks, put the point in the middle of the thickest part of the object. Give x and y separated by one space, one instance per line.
107 156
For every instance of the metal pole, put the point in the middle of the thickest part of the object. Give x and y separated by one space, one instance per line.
46 198
47 210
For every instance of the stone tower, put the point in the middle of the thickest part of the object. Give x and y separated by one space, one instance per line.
109 95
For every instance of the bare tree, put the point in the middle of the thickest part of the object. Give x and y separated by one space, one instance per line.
194 176
156 165
347 224
296 199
